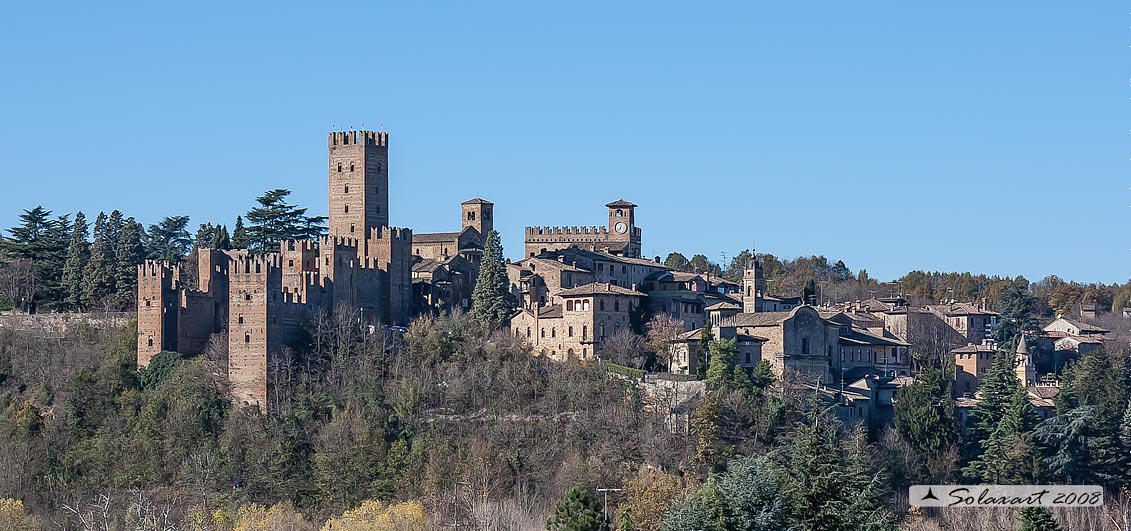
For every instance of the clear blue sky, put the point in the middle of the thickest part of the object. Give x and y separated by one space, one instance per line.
970 135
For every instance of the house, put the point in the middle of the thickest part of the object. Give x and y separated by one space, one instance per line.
970 365
579 320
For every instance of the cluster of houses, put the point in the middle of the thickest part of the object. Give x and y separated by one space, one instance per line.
576 294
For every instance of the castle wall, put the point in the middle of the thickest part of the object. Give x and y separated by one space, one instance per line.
391 250
359 182
157 310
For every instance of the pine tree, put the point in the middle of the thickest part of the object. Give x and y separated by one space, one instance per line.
43 240
1037 519
1125 428
204 236
239 234
578 510
721 367
99 275
490 300
78 253
130 253
1018 308
275 221
168 240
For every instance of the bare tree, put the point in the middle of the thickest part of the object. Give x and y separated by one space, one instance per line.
19 283
626 348
662 332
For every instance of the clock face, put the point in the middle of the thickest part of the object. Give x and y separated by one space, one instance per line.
621 227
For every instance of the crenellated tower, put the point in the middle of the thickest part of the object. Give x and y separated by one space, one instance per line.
359 182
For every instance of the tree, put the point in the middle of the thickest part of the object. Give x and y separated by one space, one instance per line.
490 300
1018 310
13 517
925 414
1009 456
221 239
78 253
997 390
700 265
275 221
372 515
1078 447
282 516
809 294
738 265
677 262
626 348
747 497
663 330
239 234
722 364
840 272
44 240
20 284
1037 519
99 276
647 497
168 240
130 253
578 510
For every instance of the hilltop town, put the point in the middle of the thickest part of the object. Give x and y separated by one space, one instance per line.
574 290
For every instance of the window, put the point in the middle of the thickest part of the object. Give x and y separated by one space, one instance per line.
543 332
748 358
528 331
351 228
585 332
553 332
569 306
347 188
240 319
601 305
347 209
351 167
339 167
570 331
247 296
151 341
471 216
585 304
616 305
148 304
290 263
804 345
620 213
601 331
247 338
624 269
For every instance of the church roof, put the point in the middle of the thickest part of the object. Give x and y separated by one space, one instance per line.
435 237
1023 346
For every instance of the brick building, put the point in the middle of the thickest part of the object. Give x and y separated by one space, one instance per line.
263 301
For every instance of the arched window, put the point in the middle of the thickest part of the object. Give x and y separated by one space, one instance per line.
528 331
347 188
601 331
247 338
240 319
570 331
616 305
585 332
543 332
585 304
569 306
351 167
151 341
347 209
339 167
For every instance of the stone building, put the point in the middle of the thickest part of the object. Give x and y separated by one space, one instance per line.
263 301
799 340
577 321
620 237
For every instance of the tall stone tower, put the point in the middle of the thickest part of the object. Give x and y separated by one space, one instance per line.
1025 370
359 182
622 227
753 287
480 214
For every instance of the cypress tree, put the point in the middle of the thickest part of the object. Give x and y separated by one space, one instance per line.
995 393
78 253
130 253
220 238
490 300
99 276
239 234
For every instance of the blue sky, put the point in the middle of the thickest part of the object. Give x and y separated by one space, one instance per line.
970 135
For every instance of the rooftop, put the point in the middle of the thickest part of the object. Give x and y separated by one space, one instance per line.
600 288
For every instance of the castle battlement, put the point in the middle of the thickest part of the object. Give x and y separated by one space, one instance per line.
551 231
299 245
392 233
256 265
351 138
154 268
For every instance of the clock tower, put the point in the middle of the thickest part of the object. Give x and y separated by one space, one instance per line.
622 226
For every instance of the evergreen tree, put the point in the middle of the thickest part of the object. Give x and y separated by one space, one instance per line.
114 225
1080 447
45 241
275 221
490 300
1037 519
809 293
239 234
677 262
1018 310
78 253
705 339
204 236
168 240
722 365
926 416
1009 456
578 510
738 265
1125 428
996 392
220 239
99 276
130 253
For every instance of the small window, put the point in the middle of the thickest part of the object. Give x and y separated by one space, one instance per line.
290 263
247 296
571 331
553 332
347 188
247 338
351 228
347 209
148 304
240 319
339 167
351 167
471 216
151 341
804 345
543 332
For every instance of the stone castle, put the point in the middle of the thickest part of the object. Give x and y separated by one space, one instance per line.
262 302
